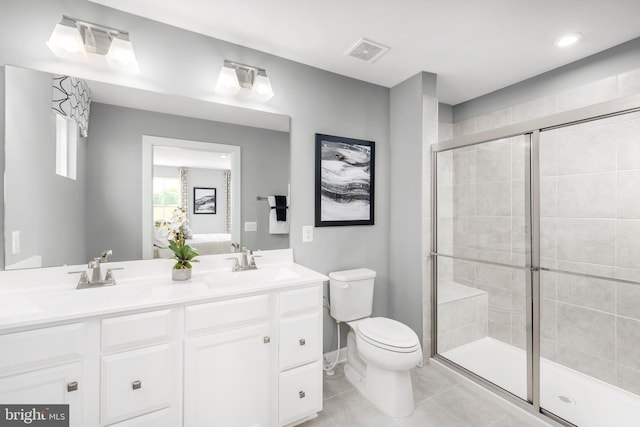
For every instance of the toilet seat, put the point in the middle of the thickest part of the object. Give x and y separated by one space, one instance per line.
388 334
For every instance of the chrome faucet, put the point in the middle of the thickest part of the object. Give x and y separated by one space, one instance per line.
246 262
96 274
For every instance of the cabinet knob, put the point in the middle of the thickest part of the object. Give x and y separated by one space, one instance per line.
302 394
72 386
136 385
302 341
267 340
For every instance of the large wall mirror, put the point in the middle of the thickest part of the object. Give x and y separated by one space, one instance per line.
73 193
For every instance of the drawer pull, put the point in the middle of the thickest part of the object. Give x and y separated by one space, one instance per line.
136 385
302 394
302 341
72 386
267 340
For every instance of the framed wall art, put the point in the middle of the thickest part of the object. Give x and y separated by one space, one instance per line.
345 177
204 200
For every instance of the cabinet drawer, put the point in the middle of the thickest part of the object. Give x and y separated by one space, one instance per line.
39 347
300 393
143 328
300 340
162 418
299 300
222 313
137 382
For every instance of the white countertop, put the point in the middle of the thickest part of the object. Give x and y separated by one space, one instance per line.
48 295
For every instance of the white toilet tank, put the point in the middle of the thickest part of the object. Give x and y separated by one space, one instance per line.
351 294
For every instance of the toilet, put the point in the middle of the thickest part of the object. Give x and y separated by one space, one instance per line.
380 351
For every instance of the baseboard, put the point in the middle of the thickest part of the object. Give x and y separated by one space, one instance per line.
330 356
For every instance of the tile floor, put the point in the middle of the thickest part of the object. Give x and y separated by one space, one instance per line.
439 402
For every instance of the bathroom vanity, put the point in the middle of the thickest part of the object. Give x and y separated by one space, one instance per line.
222 349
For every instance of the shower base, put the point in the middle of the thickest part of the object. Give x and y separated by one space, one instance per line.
576 397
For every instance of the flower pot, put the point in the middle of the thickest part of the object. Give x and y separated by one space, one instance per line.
181 274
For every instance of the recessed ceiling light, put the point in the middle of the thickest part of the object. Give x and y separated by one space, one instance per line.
568 39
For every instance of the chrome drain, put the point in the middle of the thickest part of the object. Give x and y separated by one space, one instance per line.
566 399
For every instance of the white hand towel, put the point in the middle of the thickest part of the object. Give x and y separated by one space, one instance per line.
275 226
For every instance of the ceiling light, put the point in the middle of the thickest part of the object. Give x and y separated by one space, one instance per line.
66 41
568 39
244 80
74 39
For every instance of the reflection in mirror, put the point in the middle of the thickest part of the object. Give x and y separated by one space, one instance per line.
184 171
69 197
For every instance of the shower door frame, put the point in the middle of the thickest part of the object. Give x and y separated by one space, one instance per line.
531 131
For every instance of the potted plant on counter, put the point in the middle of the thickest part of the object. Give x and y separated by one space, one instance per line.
184 256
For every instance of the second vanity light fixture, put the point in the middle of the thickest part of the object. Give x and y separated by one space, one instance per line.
73 39
236 78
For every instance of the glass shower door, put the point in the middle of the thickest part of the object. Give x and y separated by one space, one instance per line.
482 245
590 259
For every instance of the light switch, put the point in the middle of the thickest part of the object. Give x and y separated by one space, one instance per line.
250 226
307 233
15 242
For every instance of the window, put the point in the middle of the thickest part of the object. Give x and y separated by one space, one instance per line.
166 197
66 146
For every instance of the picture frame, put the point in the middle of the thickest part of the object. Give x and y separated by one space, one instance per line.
204 200
344 181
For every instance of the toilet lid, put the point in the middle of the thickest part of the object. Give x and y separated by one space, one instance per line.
388 333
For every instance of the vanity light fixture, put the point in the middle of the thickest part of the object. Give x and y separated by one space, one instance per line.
242 79
74 39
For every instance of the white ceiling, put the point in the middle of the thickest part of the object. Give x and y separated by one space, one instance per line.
474 46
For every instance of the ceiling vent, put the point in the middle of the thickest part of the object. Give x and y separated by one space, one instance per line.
367 50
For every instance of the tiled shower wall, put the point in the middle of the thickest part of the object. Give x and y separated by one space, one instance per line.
590 209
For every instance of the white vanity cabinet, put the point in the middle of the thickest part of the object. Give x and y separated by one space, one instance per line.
44 366
236 352
254 361
138 368
300 354
229 359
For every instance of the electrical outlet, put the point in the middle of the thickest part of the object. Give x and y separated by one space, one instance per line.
307 233
15 242
250 226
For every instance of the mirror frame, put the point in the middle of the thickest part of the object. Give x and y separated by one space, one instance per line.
148 144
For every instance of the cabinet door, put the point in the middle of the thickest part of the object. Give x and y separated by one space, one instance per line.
228 378
52 386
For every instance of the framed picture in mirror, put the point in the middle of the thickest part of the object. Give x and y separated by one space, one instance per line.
204 200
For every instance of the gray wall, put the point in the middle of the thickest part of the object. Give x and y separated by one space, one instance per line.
624 57
46 208
316 100
114 187
408 126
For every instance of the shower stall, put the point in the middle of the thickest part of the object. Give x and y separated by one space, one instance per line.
536 262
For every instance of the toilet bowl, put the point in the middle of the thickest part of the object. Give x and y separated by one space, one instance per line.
380 351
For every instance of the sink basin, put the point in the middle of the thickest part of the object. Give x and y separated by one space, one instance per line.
252 277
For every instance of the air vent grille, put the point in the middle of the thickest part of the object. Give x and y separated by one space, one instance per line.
367 50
